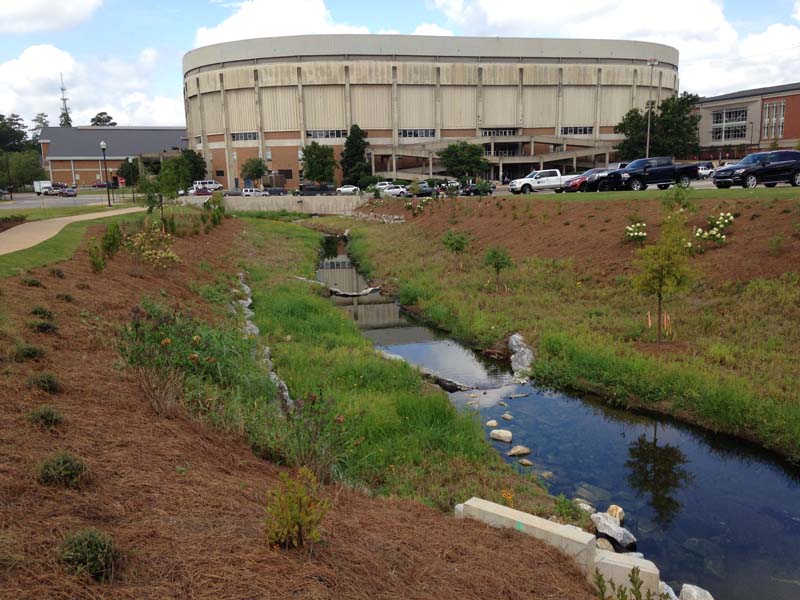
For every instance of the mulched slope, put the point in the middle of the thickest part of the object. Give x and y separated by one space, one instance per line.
184 503
591 232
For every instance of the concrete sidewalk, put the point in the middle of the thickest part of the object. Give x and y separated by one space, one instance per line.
30 234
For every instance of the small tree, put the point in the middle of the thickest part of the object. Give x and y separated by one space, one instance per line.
413 188
463 160
497 259
174 176
64 120
254 168
319 163
663 268
456 242
354 162
196 164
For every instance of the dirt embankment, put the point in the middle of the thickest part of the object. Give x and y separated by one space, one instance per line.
764 240
184 503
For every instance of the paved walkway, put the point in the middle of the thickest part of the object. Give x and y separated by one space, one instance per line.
33 233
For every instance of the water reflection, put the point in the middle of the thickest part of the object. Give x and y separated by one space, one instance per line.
658 471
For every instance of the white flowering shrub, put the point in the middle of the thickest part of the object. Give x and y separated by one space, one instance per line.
637 232
716 230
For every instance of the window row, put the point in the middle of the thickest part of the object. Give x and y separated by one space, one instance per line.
504 132
247 135
729 131
416 133
774 114
585 130
320 134
729 115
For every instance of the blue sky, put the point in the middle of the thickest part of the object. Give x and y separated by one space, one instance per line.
124 57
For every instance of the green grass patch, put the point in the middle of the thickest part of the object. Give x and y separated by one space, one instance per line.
47 382
39 214
91 552
24 352
271 215
45 416
62 469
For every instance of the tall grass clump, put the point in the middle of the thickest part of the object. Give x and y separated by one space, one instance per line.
96 259
111 241
47 382
62 469
46 416
91 552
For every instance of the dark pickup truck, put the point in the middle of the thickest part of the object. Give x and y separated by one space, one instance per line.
769 168
659 171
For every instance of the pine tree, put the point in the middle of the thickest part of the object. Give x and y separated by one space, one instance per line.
354 163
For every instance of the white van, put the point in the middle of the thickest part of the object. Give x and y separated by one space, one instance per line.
208 184
253 192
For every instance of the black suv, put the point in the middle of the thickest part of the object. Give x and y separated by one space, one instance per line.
769 168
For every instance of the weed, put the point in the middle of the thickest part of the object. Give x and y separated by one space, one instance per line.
45 416
42 312
25 352
776 245
89 551
96 258
295 510
82 285
62 469
566 223
43 326
410 293
47 382
111 240
567 509
632 592
65 297
58 273
162 387
31 282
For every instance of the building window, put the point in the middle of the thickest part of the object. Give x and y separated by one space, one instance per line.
416 133
219 173
774 113
245 136
729 124
287 173
499 132
325 134
584 130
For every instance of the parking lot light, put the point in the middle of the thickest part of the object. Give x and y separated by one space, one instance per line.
652 62
105 171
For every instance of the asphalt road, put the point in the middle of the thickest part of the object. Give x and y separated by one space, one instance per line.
29 200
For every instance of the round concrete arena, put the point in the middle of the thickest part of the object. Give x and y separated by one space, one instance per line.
528 101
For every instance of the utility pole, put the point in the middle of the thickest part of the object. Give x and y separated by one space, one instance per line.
64 118
652 62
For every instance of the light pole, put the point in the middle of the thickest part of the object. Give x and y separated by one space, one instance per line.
133 183
105 172
652 62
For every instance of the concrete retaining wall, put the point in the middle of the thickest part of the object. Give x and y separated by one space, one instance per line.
571 540
320 205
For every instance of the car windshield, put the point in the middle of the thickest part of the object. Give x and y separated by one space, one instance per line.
531 175
638 164
751 159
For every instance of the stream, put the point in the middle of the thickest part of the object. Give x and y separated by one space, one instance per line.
708 509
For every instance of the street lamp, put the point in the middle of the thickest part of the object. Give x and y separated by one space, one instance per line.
133 183
652 62
105 172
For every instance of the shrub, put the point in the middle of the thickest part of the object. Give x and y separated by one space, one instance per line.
162 387
636 232
62 469
46 416
153 246
47 382
82 285
89 551
65 297
457 243
25 352
43 326
31 282
410 293
294 511
112 240
497 259
96 259
42 312
776 245
55 272
622 592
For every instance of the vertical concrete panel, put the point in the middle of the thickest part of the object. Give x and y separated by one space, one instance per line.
579 105
416 106
372 106
459 106
193 118
280 108
540 106
615 103
324 106
212 107
242 110
499 106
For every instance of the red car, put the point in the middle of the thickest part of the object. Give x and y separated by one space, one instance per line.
202 192
99 184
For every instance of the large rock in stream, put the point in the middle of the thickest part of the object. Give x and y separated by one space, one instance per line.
501 435
608 525
521 357
692 592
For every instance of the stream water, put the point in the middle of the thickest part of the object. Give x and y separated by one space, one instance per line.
707 509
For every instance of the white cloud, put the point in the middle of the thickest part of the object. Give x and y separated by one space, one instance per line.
796 14
431 29
30 83
278 17
713 57
24 16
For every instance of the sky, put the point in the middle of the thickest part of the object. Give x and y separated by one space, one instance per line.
124 57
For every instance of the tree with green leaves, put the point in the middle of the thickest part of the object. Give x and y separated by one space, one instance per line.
102 119
674 129
129 171
174 176
64 120
318 163
20 168
13 133
197 166
457 243
663 268
254 169
464 160
40 121
498 259
354 162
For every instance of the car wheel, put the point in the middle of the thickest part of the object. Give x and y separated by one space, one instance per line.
684 182
770 185
795 181
559 190
526 189
750 182
663 186
603 186
582 188
636 185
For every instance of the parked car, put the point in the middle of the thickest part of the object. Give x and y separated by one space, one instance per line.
209 184
202 192
659 171
348 190
251 192
99 184
396 191
471 189
705 169
424 190
3 193
69 192
382 185
274 191
313 189
52 191
769 168
547 179
586 181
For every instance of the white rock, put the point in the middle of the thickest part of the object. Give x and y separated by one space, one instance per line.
604 544
519 451
521 356
472 403
525 462
616 512
507 417
491 423
250 328
610 526
501 435
503 404
692 592
664 589
588 508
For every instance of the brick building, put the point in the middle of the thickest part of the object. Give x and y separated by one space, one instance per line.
72 155
735 124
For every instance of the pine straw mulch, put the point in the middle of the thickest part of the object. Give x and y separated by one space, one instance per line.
185 503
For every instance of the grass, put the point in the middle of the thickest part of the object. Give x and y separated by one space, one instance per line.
25 352
732 370
405 438
62 469
45 416
39 214
58 248
91 552
47 382
759 193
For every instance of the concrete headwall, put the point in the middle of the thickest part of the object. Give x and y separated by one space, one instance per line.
318 205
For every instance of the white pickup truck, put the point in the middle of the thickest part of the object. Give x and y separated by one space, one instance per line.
548 179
